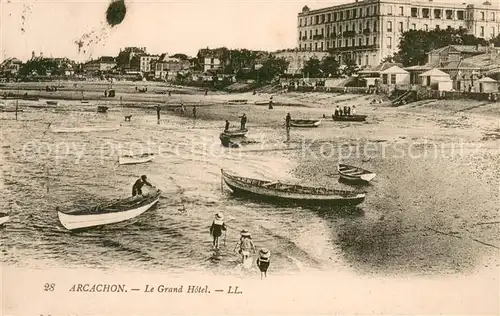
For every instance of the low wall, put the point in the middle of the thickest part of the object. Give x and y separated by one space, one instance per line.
457 95
353 90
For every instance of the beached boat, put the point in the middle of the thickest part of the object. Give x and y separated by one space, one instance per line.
296 193
30 98
10 110
51 102
110 214
349 118
237 102
355 174
226 141
4 218
84 129
305 123
235 132
102 109
262 102
135 159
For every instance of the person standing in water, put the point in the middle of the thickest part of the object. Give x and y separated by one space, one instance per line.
263 261
194 111
287 120
218 226
226 128
245 245
243 121
158 109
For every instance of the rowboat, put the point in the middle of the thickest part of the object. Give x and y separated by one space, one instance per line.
226 141
295 193
237 102
84 129
10 110
51 102
4 218
136 159
235 132
305 123
261 102
30 98
349 118
354 174
113 213
102 109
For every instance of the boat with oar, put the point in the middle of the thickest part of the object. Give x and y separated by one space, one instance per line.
355 174
4 218
349 118
84 129
116 212
305 123
269 190
51 102
135 159
235 132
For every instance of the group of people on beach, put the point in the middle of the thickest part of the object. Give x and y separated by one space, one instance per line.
244 246
345 111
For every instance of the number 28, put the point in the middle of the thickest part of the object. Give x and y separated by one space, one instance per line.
49 287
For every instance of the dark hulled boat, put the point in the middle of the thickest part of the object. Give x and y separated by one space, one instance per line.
263 189
349 118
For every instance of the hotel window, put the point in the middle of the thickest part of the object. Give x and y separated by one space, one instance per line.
322 18
300 22
449 14
414 12
322 31
340 29
492 31
367 61
316 32
425 13
342 15
414 26
374 10
393 78
384 78
348 14
367 41
300 34
321 46
437 13
310 34
437 27
482 31
333 44
482 16
316 46
389 26
400 27
354 13
389 10
374 40
493 16
328 18
360 42
360 27
460 15
389 42
334 30
426 27
340 43
401 11
375 26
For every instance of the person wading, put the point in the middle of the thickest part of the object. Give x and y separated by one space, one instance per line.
158 109
243 121
287 120
245 245
194 111
226 128
137 188
216 229
263 261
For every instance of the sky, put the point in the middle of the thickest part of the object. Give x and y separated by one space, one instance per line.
162 26
53 26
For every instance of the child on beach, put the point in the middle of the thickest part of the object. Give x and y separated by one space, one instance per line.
245 244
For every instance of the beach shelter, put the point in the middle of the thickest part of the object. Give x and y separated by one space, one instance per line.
431 78
394 76
488 85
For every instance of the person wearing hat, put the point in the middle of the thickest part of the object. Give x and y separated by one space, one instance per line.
263 261
216 229
245 244
137 188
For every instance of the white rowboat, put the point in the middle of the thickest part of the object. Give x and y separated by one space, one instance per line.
354 174
114 213
130 160
84 129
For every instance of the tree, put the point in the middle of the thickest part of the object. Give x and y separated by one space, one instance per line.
415 44
330 66
496 41
271 68
351 67
312 68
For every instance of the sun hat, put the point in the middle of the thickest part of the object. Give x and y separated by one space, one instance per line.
245 233
219 216
265 253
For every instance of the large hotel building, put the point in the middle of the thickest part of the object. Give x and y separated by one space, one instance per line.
370 30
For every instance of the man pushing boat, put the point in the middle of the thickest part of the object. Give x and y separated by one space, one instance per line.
137 188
